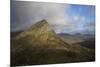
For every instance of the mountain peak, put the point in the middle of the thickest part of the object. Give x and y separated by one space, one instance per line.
39 24
41 34
44 21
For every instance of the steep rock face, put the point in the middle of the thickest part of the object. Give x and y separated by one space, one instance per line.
42 35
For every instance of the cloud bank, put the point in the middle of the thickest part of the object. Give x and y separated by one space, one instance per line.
27 13
24 14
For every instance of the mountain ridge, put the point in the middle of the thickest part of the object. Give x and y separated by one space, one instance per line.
42 33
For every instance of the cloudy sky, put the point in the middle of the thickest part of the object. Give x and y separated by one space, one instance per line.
63 18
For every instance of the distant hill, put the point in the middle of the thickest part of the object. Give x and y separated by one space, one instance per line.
90 43
70 38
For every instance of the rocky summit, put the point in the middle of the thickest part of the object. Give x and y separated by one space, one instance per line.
42 35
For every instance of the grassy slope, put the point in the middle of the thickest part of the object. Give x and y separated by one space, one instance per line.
25 53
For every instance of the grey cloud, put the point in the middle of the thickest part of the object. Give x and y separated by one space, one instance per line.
24 14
